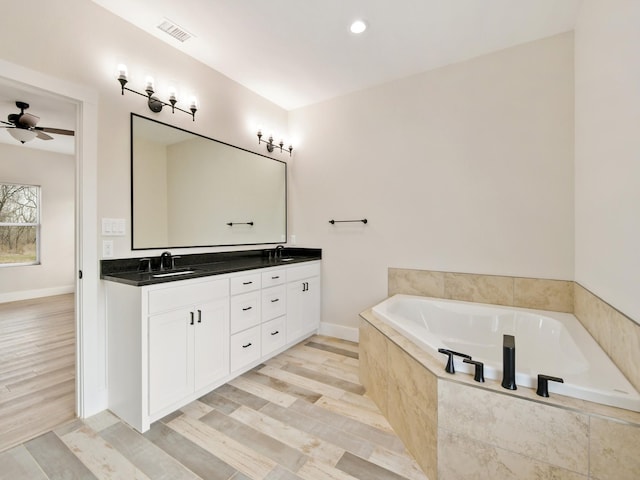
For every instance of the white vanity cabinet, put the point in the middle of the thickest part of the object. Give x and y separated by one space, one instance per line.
167 345
187 351
171 343
303 300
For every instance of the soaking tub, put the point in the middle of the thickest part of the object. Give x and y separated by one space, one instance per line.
550 343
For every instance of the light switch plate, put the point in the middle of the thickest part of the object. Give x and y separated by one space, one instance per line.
107 249
114 227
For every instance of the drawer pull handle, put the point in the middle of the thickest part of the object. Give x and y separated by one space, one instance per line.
275 300
199 316
247 283
276 277
247 345
275 333
191 323
247 308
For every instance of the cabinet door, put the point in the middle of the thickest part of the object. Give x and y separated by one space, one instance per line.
303 307
211 351
170 358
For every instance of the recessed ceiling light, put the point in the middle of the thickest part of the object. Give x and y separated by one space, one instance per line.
358 27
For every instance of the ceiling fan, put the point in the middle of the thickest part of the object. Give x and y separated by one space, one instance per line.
23 126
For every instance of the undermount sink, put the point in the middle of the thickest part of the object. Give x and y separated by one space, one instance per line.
172 274
288 259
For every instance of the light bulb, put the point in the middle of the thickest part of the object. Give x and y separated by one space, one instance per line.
172 93
122 71
358 27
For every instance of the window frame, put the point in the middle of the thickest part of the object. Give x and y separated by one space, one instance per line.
37 225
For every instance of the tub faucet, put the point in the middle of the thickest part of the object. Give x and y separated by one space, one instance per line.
450 368
509 362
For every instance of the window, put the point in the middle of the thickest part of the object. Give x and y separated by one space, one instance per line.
19 224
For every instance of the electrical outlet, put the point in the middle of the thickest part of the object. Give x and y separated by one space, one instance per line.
107 249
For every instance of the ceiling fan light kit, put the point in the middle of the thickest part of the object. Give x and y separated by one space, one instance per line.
23 126
154 103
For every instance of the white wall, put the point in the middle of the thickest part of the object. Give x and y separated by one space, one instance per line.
55 174
468 168
607 179
78 42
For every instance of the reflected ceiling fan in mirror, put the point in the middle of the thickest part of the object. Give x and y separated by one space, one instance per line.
23 126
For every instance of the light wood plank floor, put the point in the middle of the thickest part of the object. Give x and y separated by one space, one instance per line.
37 367
302 415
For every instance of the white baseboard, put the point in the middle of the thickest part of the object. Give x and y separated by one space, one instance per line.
339 331
28 294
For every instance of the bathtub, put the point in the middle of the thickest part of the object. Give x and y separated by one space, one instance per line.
550 343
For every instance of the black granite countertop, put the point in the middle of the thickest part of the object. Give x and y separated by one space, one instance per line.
127 270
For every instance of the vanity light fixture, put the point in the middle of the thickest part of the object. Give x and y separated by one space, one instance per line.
272 146
155 104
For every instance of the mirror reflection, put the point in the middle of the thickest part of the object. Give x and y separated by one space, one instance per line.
192 191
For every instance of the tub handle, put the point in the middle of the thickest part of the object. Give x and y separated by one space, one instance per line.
450 368
478 375
543 384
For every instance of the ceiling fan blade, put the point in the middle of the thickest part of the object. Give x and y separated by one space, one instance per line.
28 120
43 136
59 131
7 123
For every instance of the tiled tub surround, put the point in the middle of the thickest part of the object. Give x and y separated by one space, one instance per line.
551 343
458 429
617 334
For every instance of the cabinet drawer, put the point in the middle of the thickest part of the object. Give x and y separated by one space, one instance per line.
274 277
245 348
274 335
172 297
303 271
245 283
245 311
274 302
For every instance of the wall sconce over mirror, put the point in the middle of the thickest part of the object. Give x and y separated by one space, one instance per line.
154 103
271 146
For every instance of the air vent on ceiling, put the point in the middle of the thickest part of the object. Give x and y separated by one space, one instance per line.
174 30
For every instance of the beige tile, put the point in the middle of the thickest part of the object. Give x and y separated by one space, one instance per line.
348 410
300 381
402 464
594 315
617 334
263 391
416 282
461 458
314 470
554 295
625 338
417 429
308 444
100 457
196 409
553 435
241 458
614 450
416 381
412 411
479 288
373 364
